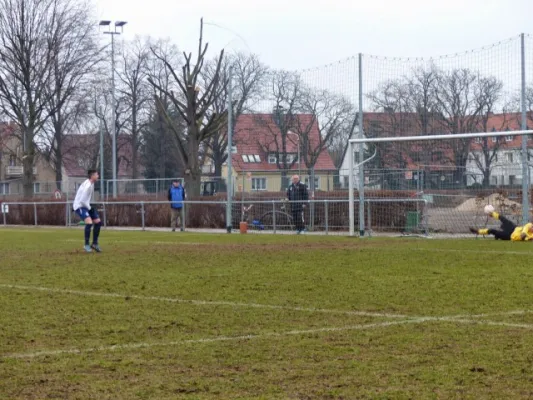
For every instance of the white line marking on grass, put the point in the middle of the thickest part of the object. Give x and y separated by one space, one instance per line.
213 339
205 302
482 322
48 353
495 314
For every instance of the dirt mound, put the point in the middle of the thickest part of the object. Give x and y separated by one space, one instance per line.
475 204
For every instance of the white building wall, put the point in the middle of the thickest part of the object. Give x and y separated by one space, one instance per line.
506 168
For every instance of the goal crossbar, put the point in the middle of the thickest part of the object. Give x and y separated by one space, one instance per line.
440 137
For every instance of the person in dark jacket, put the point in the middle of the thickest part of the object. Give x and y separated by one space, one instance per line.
298 196
176 196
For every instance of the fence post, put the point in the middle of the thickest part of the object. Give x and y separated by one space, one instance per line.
35 214
104 214
4 214
183 216
369 217
66 214
426 222
142 214
274 215
326 217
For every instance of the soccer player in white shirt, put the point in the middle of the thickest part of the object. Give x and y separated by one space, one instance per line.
82 207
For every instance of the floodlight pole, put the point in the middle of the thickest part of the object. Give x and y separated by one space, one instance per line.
117 24
229 184
102 181
361 172
525 166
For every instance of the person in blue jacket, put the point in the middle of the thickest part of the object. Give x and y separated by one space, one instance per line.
176 196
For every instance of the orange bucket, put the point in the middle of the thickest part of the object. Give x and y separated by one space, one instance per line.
243 226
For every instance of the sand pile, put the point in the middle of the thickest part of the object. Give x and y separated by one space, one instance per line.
476 204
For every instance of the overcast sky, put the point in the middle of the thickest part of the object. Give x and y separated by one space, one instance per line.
297 34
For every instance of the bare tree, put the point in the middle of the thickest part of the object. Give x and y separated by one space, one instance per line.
339 143
136 93
248 79
160 147
194 103
488 92
394 116
455 94
28 38
75 57
285 91
324 116
101 110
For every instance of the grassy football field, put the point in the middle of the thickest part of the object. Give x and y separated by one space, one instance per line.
182 315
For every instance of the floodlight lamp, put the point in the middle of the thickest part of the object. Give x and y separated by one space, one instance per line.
120 24
104 23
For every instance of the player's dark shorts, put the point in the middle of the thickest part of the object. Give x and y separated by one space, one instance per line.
83 213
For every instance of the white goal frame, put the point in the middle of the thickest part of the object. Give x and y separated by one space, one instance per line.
360 166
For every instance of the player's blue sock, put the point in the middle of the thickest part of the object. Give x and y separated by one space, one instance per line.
96 232
87 233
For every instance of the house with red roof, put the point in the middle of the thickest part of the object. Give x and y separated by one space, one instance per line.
81 152
11 165
264 156
499 159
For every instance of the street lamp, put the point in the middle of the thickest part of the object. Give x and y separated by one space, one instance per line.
299 161
113 31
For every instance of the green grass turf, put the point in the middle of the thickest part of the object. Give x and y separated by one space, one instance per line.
262 317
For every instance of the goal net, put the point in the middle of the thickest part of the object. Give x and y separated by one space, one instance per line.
452 132
452 177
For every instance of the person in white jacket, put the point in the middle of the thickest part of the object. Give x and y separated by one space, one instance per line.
89 215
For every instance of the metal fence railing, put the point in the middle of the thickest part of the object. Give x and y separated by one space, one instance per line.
385 215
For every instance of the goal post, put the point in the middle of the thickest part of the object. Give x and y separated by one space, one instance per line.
479 163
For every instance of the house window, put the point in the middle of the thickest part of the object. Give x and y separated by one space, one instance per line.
477 140
494 180
233 149
494 139
509 157
508 138
289 158
252 158
12 160
36 187
512 180
272 159
4 188
259 183
317 182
